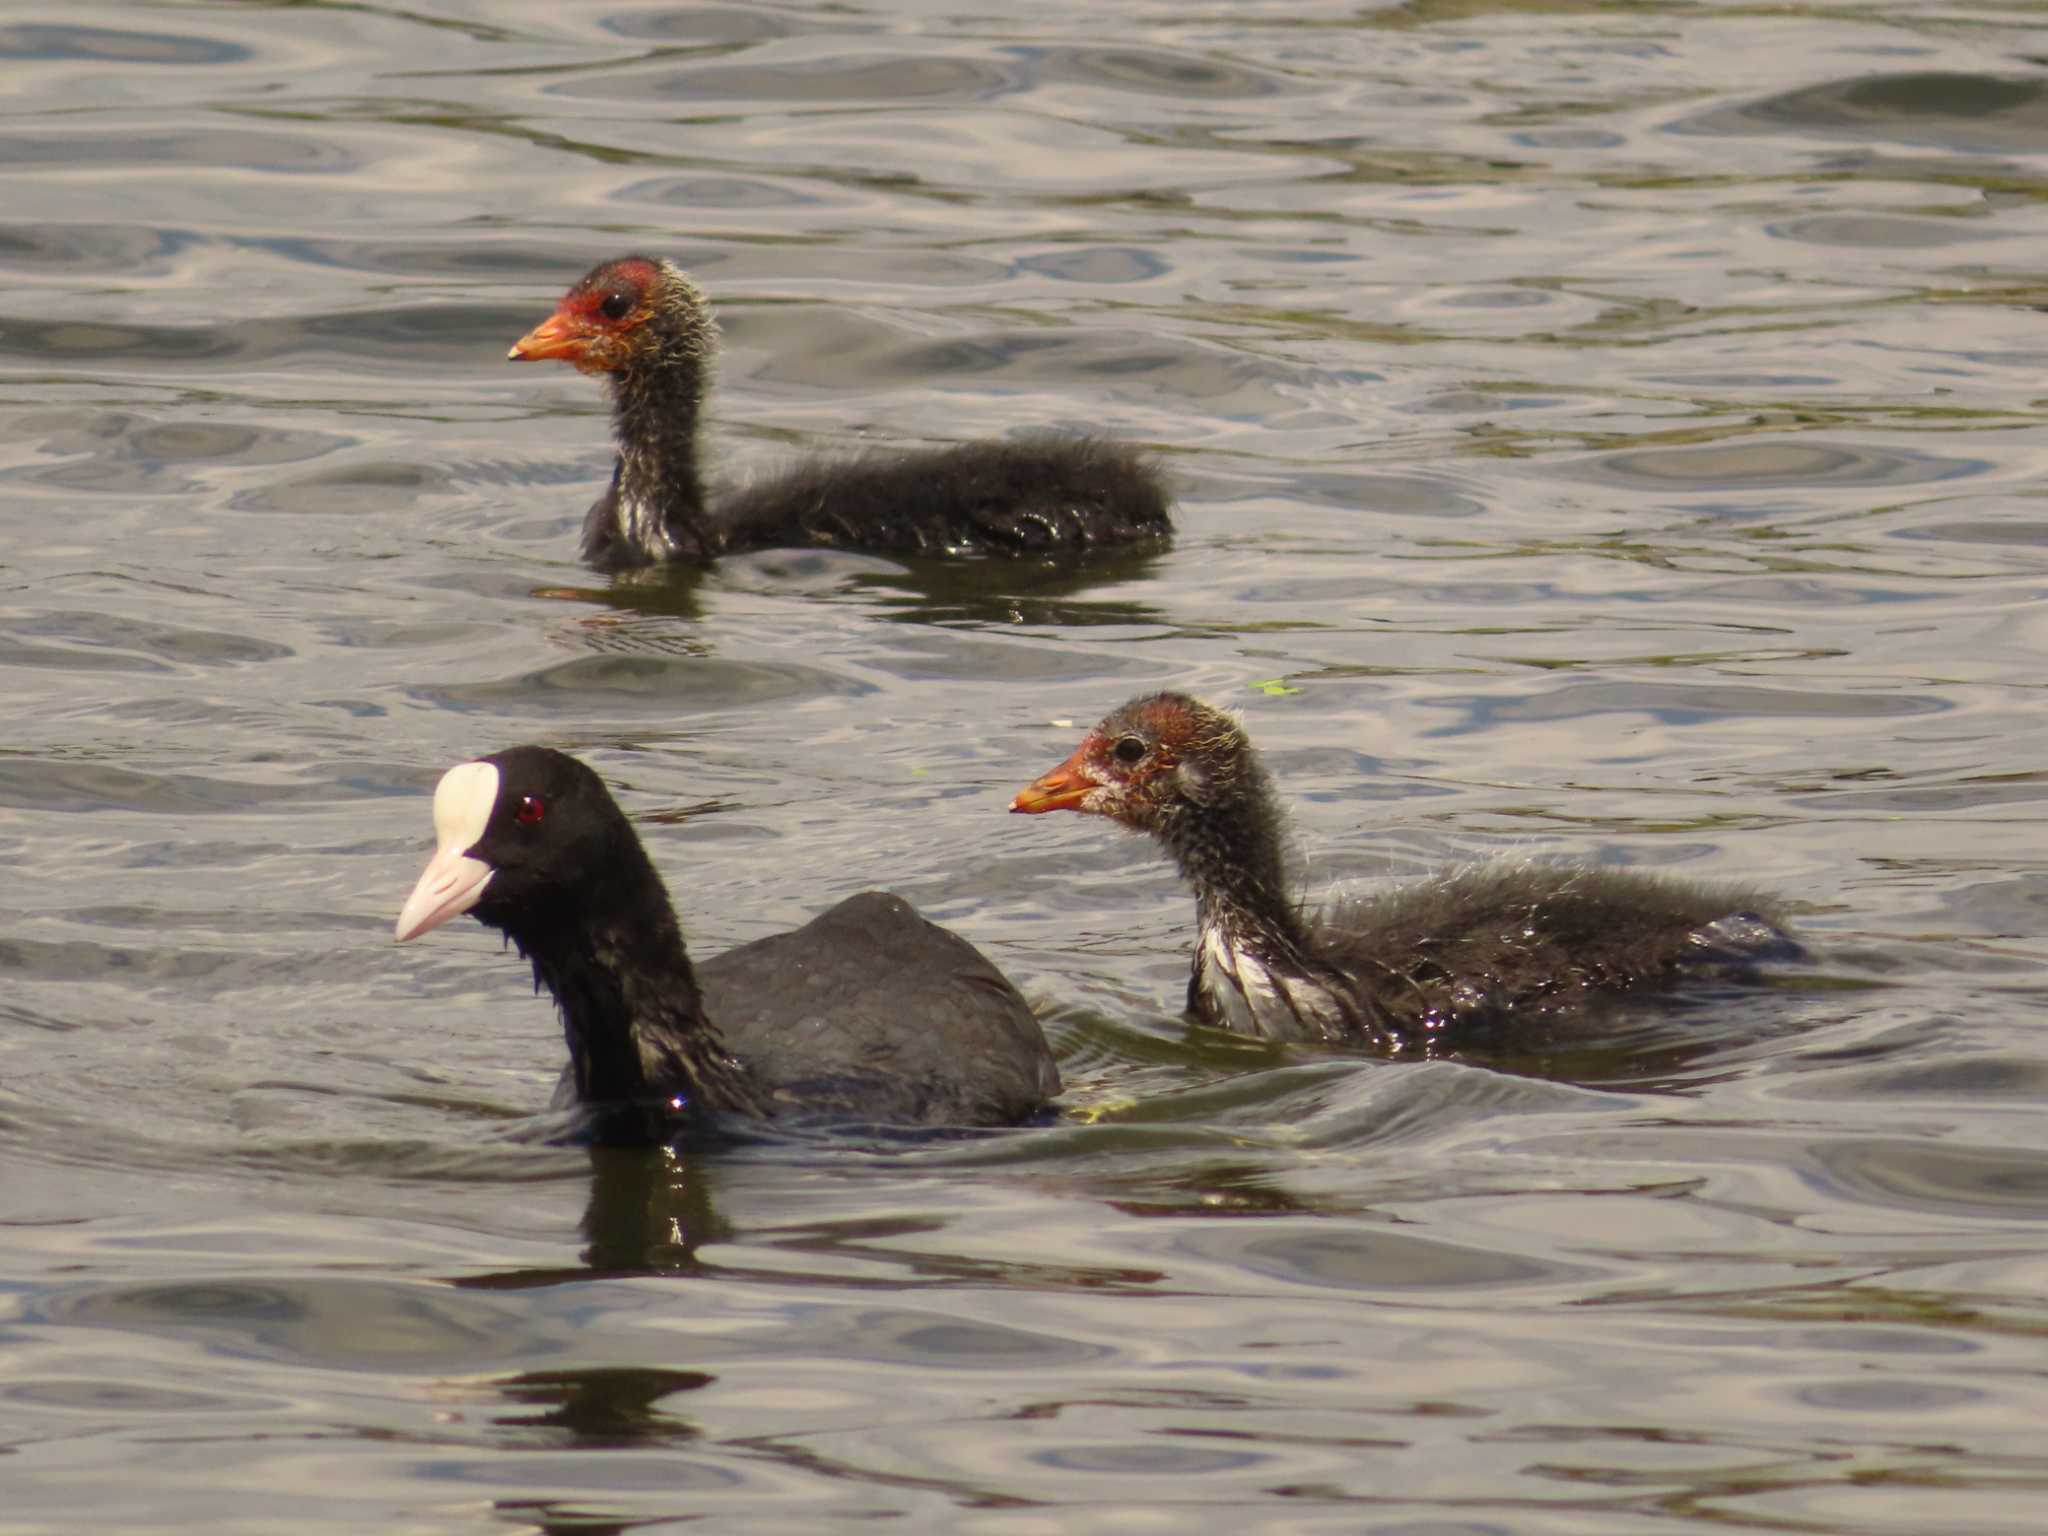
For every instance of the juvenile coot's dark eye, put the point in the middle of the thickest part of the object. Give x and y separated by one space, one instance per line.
531 809
616 304
1128 750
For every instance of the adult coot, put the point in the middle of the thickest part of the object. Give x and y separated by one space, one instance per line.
643 324
1487 954
868 1012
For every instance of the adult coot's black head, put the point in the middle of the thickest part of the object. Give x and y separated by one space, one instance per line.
531 841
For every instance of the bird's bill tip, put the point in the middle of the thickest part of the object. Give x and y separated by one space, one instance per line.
559 335
1061 790
449 886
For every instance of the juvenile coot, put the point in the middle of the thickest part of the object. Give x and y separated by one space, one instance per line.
1484 954
867 1012
642 323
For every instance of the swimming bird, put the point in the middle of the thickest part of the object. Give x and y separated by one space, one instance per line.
641 324
866 1013
1490 954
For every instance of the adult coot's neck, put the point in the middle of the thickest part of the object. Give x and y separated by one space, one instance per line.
614 959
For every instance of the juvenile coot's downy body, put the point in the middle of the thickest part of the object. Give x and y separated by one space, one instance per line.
1481 955
642 324
866 1013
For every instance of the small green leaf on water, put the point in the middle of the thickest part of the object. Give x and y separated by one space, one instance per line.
1274 687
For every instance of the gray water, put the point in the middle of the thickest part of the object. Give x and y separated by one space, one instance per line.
1610 432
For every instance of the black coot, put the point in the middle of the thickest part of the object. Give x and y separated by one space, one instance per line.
1485 954
868 1012
643 325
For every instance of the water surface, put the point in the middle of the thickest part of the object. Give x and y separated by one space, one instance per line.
1609 432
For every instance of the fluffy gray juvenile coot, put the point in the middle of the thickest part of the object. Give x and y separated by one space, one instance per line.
868 1012
643 325
1481 954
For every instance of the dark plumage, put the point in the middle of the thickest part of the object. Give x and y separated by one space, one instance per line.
1486 955
867 1012
643 325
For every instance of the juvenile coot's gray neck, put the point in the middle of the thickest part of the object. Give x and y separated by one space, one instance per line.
658 506
1254 968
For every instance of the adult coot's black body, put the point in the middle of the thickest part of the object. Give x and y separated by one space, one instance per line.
1478 956
642 324
867 1012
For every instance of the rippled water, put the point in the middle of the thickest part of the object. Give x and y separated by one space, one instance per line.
1611 431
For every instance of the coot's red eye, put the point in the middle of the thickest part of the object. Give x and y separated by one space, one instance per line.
531 809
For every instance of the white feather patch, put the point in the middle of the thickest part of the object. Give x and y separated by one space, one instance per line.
1249 998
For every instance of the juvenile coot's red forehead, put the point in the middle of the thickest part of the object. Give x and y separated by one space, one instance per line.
1166 717
634 276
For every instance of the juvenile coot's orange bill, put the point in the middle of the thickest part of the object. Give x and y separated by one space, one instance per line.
1061 790
559 336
